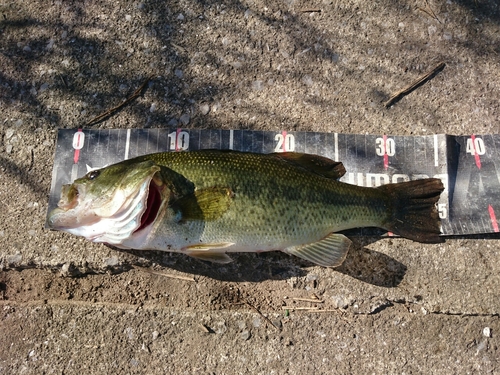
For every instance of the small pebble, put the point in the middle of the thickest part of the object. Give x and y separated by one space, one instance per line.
204 109
256 322
65 269
13 259
184 119
245 335
43 87
173 122
221 328
129 331
152 108
447 36
487 331
9 133
216 107
50 44
339 302
257 85
26 49
311 277
178 73
307 79
111 262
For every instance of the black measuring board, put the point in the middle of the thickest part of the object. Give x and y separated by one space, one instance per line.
467 165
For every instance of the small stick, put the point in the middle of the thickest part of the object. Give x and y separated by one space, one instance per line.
299 308
63 80
258 312
431 13
308 300
315 10
204 328
111 111
185 278
419 81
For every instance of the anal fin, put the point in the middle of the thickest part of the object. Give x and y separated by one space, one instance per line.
328 252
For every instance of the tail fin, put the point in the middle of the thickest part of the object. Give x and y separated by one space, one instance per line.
414 209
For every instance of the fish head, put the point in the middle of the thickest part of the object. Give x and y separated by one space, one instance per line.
110 204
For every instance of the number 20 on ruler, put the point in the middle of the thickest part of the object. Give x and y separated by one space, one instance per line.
286 142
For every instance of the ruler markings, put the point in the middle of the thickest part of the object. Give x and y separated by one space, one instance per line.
493 218
336 146
157 139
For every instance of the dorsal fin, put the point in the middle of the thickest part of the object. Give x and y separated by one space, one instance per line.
318 164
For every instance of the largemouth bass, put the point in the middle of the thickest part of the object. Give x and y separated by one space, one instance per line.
209 203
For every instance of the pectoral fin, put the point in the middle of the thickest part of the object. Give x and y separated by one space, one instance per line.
328 252
205 204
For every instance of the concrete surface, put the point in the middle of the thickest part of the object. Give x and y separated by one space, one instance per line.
398 307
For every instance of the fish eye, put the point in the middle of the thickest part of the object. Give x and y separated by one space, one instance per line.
93 175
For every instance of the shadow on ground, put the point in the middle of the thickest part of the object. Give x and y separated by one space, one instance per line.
361 263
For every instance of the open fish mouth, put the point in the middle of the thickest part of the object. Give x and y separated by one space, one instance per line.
112 219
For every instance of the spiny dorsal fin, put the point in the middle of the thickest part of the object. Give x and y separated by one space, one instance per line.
328 252
205 204
318 164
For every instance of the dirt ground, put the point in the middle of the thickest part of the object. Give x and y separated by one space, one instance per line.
394 307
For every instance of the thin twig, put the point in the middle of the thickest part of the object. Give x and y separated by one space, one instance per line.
432 11
169 275
111 111
204 328
63 80
307 308
262 315
312 10
313 300
419 81
429 12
